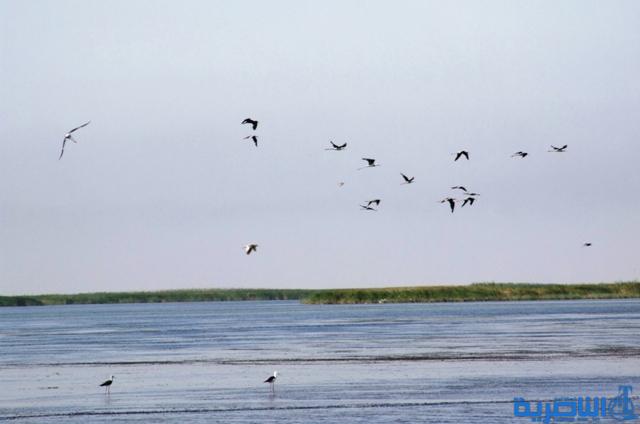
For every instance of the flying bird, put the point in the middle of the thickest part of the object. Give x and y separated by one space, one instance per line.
68 136
463 188
107 385
469 200
371 163
472 194
521 154
588 244
451 201
374 201
250 248
336 147
251 122
407 180
559 149
368 208
460 154
272 380
254 138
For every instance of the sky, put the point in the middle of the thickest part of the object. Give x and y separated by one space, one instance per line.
162 191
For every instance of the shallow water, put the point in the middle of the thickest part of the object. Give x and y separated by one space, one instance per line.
205 362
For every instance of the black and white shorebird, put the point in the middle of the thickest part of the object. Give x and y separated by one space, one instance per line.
252 247
68 136
107 385
460 154
463 188
558 149
336 146
254 138
272 380
407 180
253 123
371 163
451 201
469 200
520 154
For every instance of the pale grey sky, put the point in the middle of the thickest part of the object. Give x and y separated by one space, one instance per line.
161 190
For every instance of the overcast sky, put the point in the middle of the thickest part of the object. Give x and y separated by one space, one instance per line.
162 191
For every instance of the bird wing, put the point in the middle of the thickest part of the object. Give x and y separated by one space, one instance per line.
255 125
255 140
81 126
341 146
405 177
466 155
64 141
334 145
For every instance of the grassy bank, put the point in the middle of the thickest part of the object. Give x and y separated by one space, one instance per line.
469 293
477 293
193 295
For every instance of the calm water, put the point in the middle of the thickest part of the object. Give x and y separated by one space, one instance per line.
205 362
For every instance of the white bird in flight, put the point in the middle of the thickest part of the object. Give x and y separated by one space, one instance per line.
68 136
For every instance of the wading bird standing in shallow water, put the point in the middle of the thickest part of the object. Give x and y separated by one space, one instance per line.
68 136
107 385
272 380
254 124
250 248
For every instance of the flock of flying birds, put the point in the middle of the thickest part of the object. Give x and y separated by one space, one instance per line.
469 197
371 205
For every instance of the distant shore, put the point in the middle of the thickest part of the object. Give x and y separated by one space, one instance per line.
479 292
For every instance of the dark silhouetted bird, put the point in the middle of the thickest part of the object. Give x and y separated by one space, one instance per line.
469 200
368 208
460 154
371 163
336 147
459 188
250 248
588 244
451 201
254 138
407 180
68 136
521 154
373 202
559 149
251 122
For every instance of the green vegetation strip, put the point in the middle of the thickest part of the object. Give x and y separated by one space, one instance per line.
470 293
479 292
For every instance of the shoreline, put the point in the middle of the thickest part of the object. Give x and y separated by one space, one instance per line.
477 292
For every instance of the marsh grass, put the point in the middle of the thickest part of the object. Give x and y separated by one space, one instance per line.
478 292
